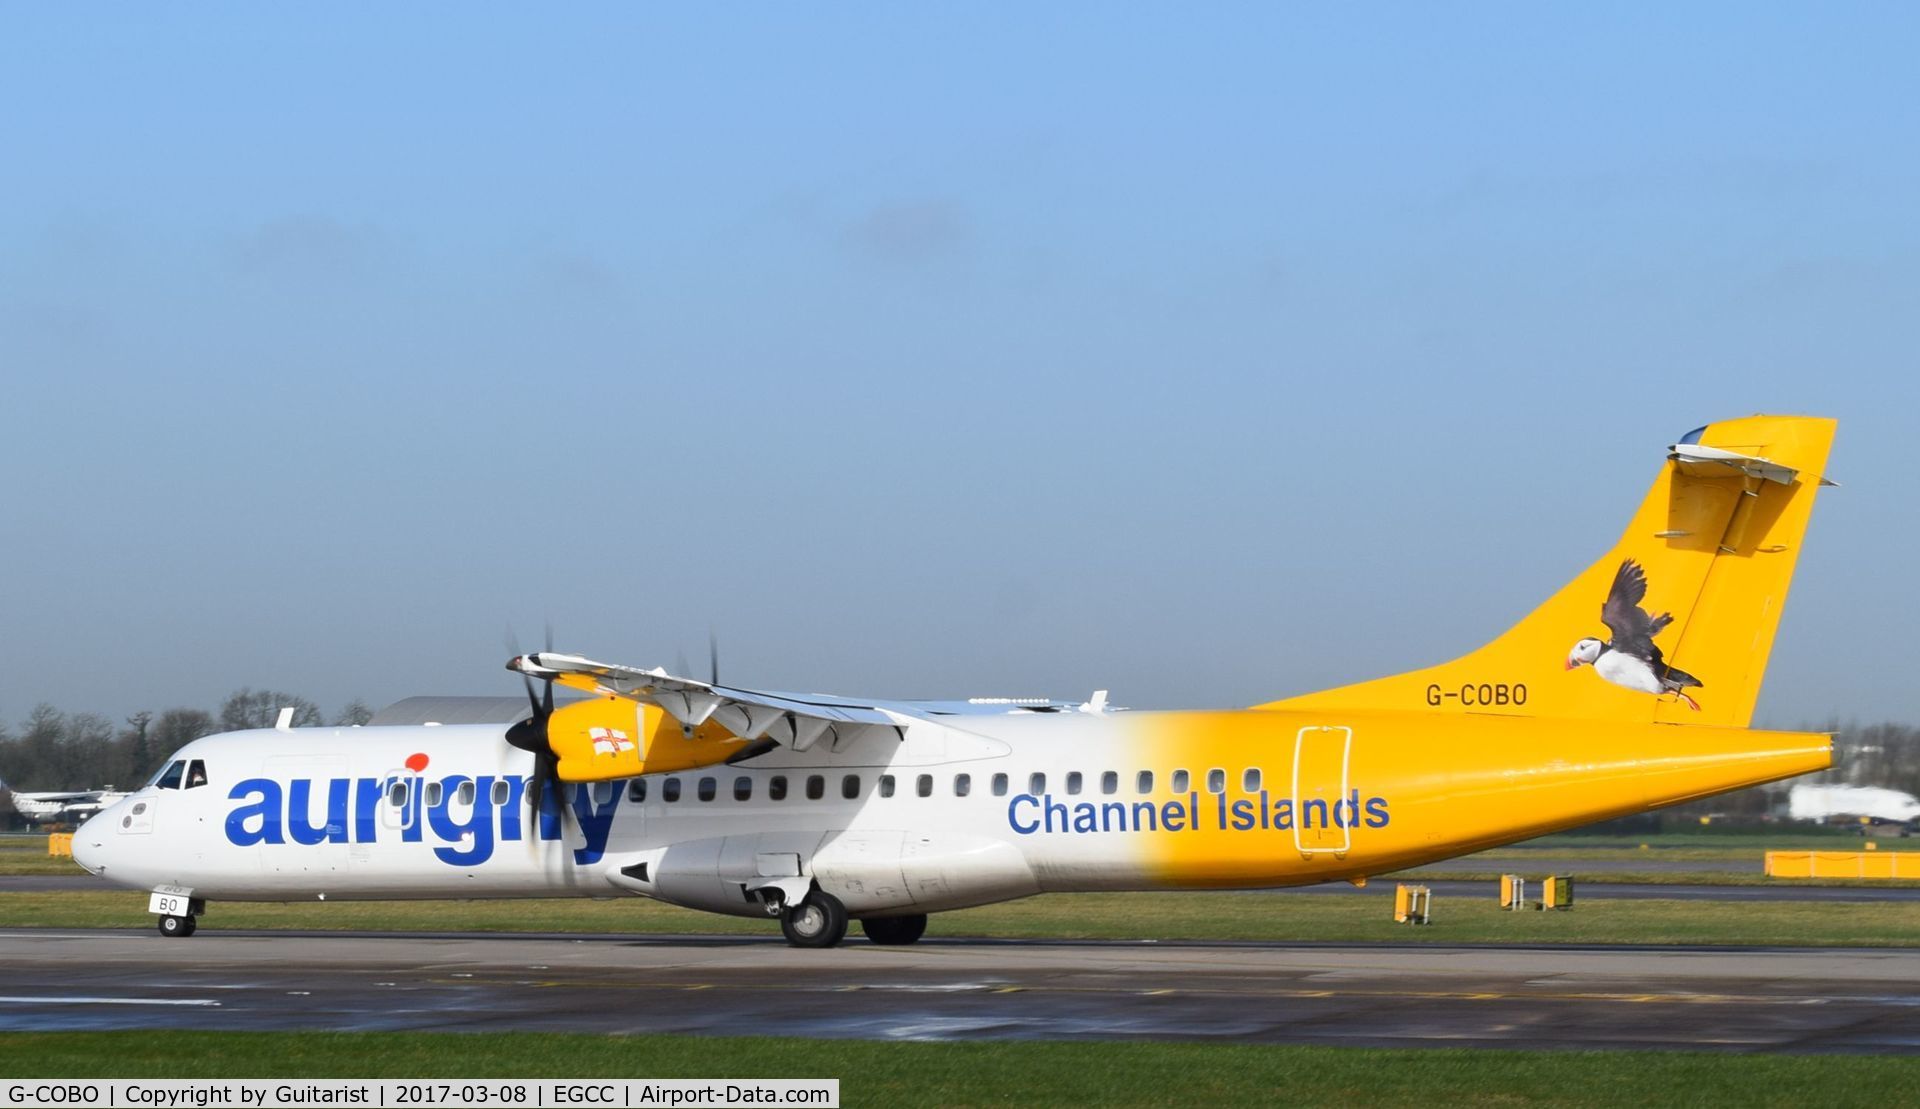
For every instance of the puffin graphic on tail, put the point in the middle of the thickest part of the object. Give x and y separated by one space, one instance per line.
1630 658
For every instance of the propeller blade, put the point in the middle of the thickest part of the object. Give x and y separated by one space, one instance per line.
713 658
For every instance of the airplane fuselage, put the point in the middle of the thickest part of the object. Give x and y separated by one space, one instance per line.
942 817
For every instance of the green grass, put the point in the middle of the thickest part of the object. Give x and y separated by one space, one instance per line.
1355 918
1002 1073
30 857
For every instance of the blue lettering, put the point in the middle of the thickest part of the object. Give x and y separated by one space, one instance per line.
1084 818
478 824
1173 816
1377 812
510 812
1013 814
300 825
366 809
266 810
1049 806
595 823
1243 816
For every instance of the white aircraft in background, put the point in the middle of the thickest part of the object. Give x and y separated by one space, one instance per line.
48 807
818 809
1876 803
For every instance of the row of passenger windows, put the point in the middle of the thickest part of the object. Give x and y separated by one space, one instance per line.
815 785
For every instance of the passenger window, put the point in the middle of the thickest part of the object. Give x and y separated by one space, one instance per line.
1180 782
1216 781
501 788
397 794
886 785
923 785
602 794
670 790
1073 783
465 794
962 784
196 774
707 788
170 777
1037 784
433 794
1144 783
816 787
1250 781
850 787
1109 782
777 788
999 785
637 790
743 788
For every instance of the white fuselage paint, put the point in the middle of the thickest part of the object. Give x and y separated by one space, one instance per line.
235 838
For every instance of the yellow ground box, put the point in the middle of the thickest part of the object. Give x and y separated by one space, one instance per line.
60 845
1513 891
1412 904
1843 864
1556 892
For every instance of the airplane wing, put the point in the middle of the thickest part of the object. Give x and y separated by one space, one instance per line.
792 720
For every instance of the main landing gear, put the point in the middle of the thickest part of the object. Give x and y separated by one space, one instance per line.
178 927
819 921
894 929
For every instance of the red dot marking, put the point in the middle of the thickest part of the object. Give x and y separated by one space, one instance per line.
416 763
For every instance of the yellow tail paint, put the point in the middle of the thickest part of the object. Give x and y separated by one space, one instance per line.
1714 542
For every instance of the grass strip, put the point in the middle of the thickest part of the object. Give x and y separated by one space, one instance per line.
1341 917
997 1073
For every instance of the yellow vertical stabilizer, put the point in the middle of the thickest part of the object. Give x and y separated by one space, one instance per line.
1680 613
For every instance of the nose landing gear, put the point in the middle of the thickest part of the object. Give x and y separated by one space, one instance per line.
178 927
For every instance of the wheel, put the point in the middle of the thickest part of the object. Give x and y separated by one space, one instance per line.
895 929
819 921
193 925
176 927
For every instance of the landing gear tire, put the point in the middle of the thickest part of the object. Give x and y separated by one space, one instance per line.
895 929
819 921
177 927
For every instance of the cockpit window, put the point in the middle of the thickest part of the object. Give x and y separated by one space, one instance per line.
169 778
196 774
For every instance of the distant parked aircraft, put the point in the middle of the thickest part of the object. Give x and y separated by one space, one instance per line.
1875 803
55 806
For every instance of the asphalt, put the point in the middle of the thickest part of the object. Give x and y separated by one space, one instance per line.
1738 1000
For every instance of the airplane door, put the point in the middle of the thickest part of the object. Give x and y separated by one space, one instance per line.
1322 822
318 809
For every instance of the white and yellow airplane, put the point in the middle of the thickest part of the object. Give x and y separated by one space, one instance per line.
1629 689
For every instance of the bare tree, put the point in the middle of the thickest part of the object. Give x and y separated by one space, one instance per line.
250 708
355 714
172 730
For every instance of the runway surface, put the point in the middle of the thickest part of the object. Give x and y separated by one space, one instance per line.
1744 999
1637 891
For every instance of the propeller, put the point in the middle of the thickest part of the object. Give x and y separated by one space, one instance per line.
530 735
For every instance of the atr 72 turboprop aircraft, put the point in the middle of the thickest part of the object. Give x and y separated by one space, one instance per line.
1629 689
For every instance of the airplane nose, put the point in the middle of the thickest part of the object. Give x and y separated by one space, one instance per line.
89 844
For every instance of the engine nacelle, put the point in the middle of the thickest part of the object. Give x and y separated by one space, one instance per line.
609 738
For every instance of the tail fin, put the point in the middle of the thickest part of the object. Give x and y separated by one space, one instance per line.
1715 544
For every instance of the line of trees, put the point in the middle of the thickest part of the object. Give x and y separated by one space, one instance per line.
54 750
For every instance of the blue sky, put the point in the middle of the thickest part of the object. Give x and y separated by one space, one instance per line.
1207 354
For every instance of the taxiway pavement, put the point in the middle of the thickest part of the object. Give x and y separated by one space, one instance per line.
1727 999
